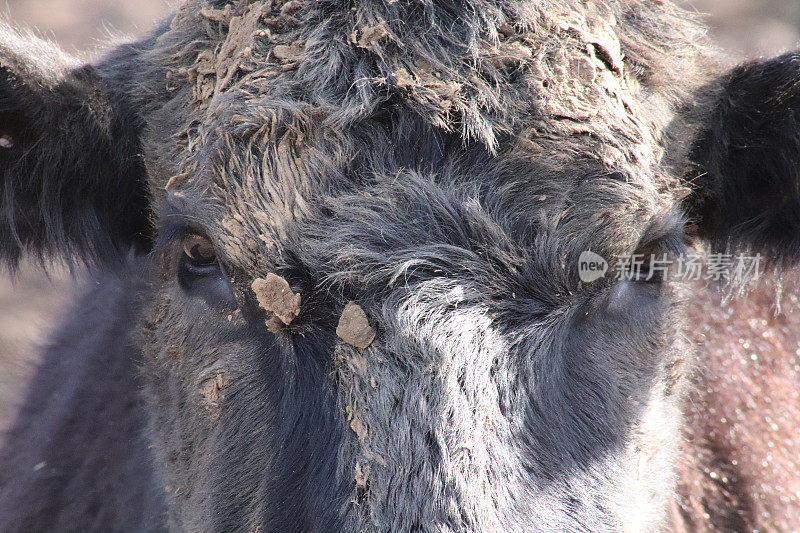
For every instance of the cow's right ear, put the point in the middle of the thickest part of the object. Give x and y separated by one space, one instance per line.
72 181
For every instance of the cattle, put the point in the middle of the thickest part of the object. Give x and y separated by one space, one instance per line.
335 253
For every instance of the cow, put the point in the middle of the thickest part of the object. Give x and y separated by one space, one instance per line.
335 251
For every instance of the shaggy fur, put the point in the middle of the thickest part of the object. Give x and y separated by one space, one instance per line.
75 156
442 164
749 161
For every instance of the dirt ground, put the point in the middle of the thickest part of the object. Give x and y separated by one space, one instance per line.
32 305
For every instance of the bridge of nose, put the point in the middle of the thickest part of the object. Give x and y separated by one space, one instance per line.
424 414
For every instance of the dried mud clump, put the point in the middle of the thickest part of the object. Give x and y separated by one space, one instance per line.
214 70
369 35
275 295
354 328
176 182
292 52
212 393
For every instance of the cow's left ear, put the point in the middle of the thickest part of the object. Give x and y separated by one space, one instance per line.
72 182
746 159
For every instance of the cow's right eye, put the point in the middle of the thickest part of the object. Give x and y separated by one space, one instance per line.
199 261
201 274
199 251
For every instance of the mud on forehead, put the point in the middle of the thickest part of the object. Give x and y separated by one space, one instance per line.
585 65
285 110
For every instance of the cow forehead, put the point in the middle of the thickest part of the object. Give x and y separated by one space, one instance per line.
282 101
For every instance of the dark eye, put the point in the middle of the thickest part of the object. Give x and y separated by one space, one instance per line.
199 251
648 268
201 274
655 262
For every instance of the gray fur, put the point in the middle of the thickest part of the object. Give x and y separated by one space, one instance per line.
442 164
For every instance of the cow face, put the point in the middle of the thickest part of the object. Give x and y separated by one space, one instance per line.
364 229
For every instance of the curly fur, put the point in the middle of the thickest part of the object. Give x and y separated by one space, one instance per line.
443 164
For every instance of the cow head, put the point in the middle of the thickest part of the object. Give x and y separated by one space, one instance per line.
362 225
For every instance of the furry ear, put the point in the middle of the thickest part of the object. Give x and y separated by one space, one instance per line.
72 182
746 180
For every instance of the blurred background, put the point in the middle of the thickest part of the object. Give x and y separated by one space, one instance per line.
751 28
35 303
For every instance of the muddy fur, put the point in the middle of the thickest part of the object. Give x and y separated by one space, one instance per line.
441 165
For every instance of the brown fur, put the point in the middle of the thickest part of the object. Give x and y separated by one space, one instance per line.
740 467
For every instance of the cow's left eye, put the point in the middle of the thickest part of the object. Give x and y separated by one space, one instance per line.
647 270
199 251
